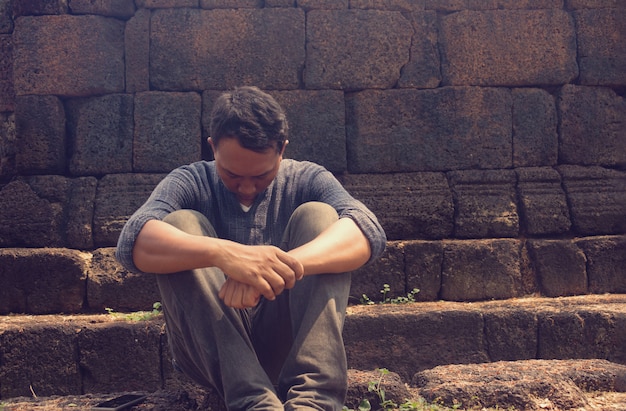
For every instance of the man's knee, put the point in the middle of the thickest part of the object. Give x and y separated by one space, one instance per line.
191 222
308 221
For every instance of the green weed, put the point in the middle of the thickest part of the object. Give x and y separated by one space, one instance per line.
138 315
409 298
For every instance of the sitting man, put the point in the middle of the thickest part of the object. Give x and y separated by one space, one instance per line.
255 254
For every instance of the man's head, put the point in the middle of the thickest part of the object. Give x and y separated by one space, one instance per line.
251 116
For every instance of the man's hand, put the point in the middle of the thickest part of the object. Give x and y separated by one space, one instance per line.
239 295
267 269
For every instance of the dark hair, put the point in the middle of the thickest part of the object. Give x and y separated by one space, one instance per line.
251 116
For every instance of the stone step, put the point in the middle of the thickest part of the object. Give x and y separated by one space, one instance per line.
80 354
61 280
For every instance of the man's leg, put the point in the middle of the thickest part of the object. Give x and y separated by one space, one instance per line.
209 341
299 335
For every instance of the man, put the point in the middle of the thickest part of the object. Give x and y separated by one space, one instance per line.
255 253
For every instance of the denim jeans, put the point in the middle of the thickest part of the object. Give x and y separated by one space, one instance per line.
282 354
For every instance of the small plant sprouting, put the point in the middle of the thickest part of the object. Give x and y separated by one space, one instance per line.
410 297
138 315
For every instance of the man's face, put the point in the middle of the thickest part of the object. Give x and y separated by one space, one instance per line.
245 172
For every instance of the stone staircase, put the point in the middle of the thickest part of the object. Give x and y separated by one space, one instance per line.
70 325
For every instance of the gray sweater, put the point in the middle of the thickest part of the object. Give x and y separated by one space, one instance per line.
198 187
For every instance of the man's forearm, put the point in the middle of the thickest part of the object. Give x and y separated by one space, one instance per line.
340 248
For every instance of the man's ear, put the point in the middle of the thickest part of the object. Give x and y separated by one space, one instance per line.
210 141
282 151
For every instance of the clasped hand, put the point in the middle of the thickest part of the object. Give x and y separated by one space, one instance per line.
255 271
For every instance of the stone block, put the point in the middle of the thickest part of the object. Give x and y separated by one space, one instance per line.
508 48
323 4
542 200
137 52
156 4
606 263
481 270
594 4
422 69
167 130
280 3
99 347
263 47
355 49
316 127
42 280
370 280
412 341
485 203
559 266
117 198
23 351
597 199
601 46
68 55
6 16
122 9
589 334
7 92
231 4
40 127
390 5
535 139
39 7
101 134
111 286
8 145
428 130
512 334
408 206
592 126
423 265
47 211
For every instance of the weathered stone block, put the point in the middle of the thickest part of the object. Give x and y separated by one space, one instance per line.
23 352
388 269
593 126
123 9
601 46
68 55
428 130
512 334
7 93
323 4
377 44
47 211
481 270
423 266
316 127
155 4
535 139
167 131
422 69
508 48
606 263
485 203
42 280
102 371
6 16
543 205
111 286
39 7
257 47
117 198
594 4
559 266
412 341
408 206
137 52
8 144
588 334
40 125
230 4
597 199
280 3
391 5
101 134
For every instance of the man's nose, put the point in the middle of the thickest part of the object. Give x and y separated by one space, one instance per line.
246 187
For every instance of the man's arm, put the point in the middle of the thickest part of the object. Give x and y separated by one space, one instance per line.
340 248
161 248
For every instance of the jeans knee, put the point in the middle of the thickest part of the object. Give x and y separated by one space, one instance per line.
191 222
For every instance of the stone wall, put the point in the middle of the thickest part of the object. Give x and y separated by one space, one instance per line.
488 135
